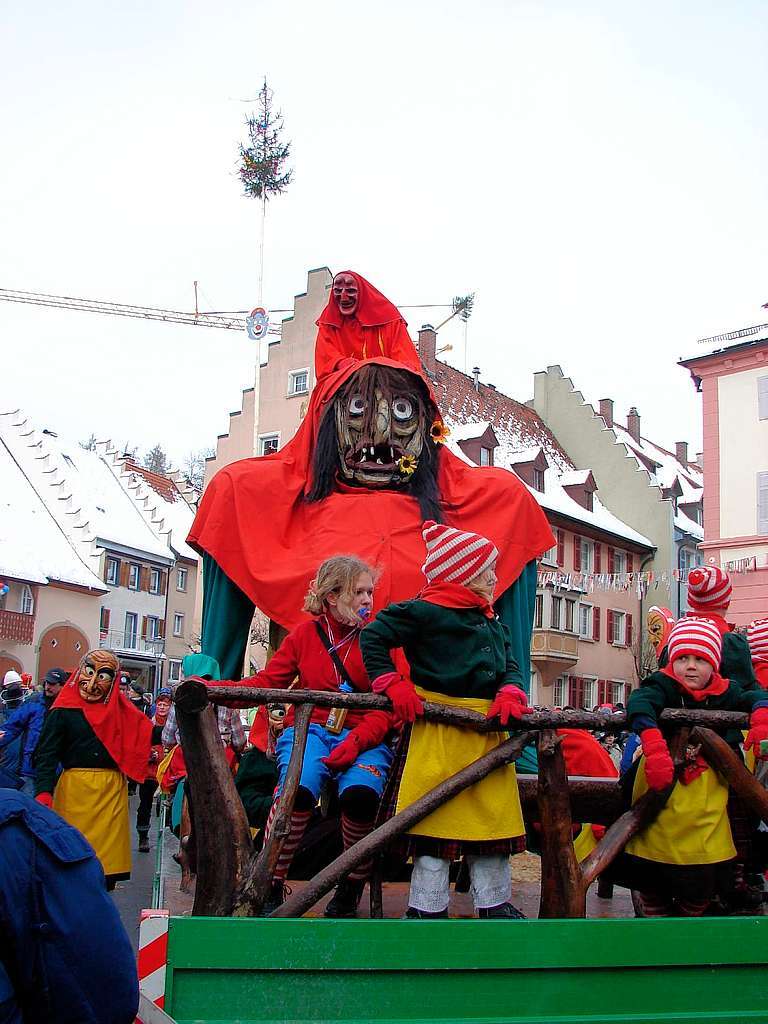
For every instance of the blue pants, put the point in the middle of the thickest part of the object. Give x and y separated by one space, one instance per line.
370 769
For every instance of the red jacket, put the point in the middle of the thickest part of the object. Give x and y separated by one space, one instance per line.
302 654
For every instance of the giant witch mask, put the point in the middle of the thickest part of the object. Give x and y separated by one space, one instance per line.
96 676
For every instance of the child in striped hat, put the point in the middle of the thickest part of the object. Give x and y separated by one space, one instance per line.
460 655
686 855
709 597
757 637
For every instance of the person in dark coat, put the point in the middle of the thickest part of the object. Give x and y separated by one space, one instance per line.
65 957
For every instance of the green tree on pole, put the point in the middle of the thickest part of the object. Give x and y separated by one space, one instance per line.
262 168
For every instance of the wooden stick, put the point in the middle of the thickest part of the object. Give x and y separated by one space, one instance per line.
600 801
638 817
375 886
730 766
323 882
250 696
562 891
257 879
222 836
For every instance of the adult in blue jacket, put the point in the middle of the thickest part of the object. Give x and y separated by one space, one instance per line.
65 957
21 730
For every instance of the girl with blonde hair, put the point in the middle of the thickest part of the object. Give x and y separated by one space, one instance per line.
345 746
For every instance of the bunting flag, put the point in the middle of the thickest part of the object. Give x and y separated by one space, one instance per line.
641 582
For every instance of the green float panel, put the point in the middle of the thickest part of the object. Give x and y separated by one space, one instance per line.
226 970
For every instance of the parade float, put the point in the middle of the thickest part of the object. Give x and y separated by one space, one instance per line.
364 471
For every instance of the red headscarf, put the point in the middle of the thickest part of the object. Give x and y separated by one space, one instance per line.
255 523
376 328
124 731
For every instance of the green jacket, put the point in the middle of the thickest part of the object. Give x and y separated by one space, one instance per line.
67 740
659 691
458 652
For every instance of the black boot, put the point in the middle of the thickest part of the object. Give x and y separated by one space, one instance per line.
143 840
277 895
345 899
504 910
412 914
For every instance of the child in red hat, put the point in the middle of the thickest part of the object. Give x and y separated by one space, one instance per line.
686 855
460 655
709 597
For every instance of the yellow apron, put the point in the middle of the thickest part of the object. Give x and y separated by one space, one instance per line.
95 801
489 809
692 828
584 843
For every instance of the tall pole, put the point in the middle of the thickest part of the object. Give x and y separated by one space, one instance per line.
261 248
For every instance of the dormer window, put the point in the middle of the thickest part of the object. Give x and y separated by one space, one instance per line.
589 501
538 479
486 456
579 484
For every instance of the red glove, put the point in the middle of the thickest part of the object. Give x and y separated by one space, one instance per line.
406 703
758 731
598 831
510 702
659 769
45 799
345 754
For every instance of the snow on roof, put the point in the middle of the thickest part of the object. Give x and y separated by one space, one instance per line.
687 525
526 455
556 499
573 477
469 431
176 514
82 490
668 466
32 545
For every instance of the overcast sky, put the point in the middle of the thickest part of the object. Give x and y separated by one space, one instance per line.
594 171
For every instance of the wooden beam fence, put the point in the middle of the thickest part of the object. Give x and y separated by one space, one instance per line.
233 880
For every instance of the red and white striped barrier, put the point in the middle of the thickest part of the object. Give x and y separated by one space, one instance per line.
153 955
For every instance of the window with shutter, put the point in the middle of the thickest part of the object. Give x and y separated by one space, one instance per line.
611 560
123 574
161 628
598 553
144 627
602 691
104 622
596 624
609 626
576 553
630 562
762 398
628 631
762 504
560 548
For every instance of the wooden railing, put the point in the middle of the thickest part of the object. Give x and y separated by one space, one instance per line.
17 626
234 880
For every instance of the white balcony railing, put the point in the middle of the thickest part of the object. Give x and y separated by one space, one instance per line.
131 643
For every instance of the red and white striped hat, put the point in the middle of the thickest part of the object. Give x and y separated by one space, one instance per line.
454 556
696 636
708 587
757 635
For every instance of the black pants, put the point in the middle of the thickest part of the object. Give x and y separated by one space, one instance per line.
146 793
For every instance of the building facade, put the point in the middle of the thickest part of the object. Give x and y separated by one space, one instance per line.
733 382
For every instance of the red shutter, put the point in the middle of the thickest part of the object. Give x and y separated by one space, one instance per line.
630 562
143 578
144 627
560 548
123 574
597 556
602 691
628 631
609 626
595 623
576 691
576 553
611 561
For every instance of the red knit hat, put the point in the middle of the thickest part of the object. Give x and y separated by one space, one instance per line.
454 556
695 636
708 588
757 635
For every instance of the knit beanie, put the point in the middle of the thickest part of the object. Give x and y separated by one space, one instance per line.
757 636
695 636
708 588
455 556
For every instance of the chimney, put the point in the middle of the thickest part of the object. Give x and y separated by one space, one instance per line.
681 451
633 423
476 375
427 347
606 411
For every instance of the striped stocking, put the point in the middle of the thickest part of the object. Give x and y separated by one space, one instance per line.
352 832
299 822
